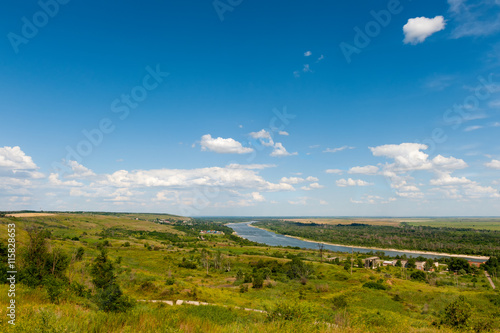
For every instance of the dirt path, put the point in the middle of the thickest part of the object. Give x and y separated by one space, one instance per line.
180 302
489 279
29 214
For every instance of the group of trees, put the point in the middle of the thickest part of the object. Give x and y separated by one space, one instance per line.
46 266
450 240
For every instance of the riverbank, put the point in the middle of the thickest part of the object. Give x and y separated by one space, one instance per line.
417 252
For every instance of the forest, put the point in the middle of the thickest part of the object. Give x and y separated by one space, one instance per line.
402 237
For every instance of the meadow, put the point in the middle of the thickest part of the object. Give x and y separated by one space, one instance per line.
297 289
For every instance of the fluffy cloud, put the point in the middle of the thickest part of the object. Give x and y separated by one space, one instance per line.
448 163
407 156
419 28
307 53
364 170
223 146
15 163
352 182
280 151
446 179
54 180
79 171
312 186
493 164
336 150
283 133
263 136
220 177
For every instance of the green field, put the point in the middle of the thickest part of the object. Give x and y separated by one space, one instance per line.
455 222
165 262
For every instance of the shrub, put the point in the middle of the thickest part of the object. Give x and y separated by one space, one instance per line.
418 276
79 253
258 281
54 287
374 285
339 302
457 313
170 281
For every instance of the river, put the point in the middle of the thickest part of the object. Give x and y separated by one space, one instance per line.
245 230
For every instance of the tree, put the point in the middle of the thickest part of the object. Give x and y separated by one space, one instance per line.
321 246
258 281
109 296
457 313
411 263
456 264
398 263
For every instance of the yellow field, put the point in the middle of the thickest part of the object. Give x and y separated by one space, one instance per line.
29 214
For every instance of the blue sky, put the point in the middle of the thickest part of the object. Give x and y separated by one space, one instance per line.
383 108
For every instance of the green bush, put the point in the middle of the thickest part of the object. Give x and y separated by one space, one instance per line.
374 285
457 314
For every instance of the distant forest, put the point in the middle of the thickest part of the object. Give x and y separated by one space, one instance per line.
405 236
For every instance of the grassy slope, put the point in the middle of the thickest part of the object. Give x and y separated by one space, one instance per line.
142 274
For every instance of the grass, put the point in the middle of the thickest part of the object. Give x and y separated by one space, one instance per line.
407 306
484 223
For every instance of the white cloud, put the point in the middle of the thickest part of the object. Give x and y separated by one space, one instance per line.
419 28
283 133
307 53
14 158
312 179
321 57
312 186
493 164
448 163
472 128
280 151
54 180
474 17
446 179
352 182
365 170
264 137
300 201
79 171
292 180
335 150
407 156
219 177
334 171
307 69
223 146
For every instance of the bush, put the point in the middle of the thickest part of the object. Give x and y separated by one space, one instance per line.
457 313
339 302
374 285
111 299
170 281
258 281
418 276
54 287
